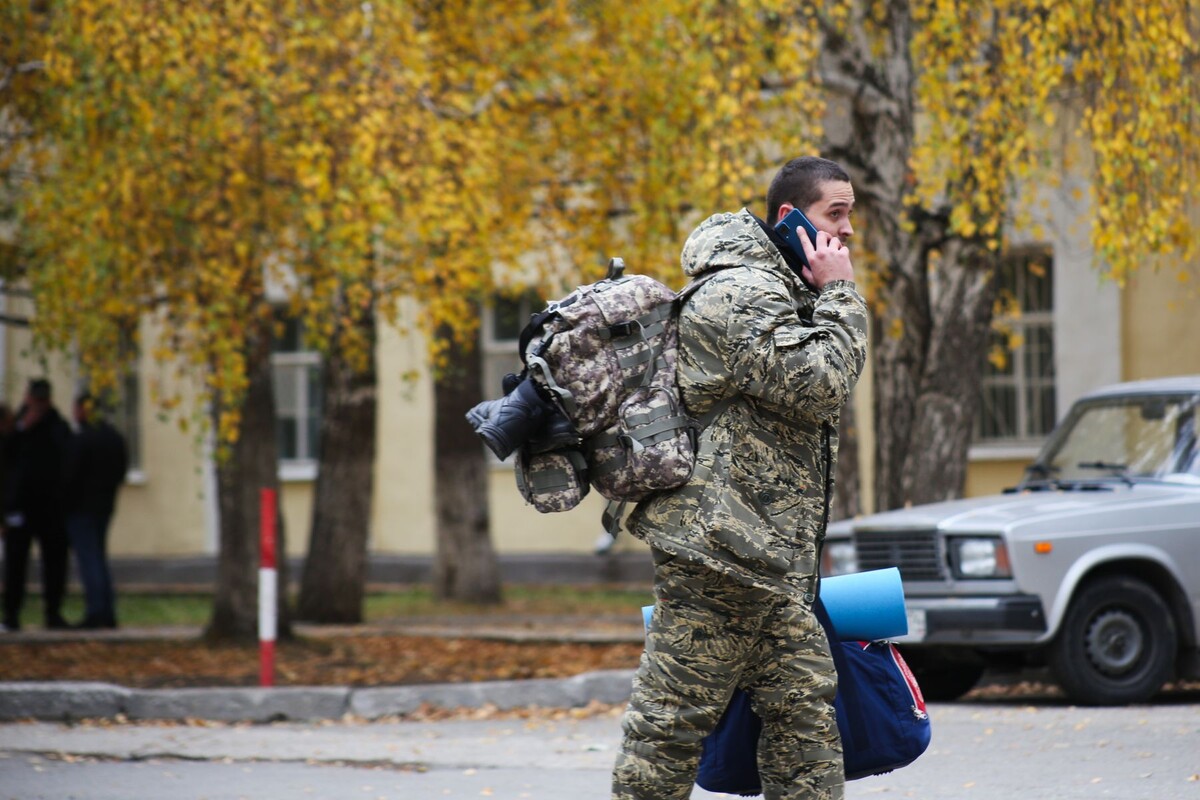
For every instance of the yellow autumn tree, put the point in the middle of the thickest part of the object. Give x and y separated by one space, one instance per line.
191 159
205 165
472 166
950 112
628 124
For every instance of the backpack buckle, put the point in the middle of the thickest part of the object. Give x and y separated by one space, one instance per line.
619 330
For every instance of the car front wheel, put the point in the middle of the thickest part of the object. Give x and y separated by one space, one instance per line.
1117 643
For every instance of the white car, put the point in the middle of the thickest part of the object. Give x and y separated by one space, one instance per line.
1090 565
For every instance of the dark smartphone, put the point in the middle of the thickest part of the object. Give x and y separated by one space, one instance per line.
791 228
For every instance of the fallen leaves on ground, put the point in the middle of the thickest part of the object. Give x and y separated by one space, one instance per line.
373 660
377 660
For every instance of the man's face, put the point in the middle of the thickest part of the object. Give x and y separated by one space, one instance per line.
832 212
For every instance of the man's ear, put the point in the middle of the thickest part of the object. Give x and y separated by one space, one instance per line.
784 210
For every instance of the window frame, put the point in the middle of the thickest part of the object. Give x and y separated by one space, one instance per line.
303 467
1024 440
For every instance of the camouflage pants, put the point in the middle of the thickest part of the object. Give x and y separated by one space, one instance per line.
709 635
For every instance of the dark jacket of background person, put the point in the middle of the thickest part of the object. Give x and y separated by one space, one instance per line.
35 455
95 469
97 461
33 506
7 422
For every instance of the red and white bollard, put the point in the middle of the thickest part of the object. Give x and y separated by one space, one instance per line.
267 588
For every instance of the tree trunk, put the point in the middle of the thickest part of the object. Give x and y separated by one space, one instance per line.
465 565
335 570
930 327
250 466
928 461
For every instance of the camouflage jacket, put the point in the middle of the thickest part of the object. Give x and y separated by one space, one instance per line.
784 360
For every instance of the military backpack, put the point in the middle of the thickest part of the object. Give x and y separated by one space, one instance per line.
606 355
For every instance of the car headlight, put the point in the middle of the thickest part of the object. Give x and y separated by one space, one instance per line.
980 557
838 558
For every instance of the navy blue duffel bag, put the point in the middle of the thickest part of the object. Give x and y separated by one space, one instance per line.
880 715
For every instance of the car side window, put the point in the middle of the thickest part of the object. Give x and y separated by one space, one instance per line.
1190 463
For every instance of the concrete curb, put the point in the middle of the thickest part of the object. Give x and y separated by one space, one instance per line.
238 704
66 701
61 700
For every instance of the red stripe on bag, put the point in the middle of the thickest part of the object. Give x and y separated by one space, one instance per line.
911 681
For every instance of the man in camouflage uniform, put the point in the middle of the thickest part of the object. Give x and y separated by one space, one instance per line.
774 349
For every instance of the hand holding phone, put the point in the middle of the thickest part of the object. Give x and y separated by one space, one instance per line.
792 227
833 260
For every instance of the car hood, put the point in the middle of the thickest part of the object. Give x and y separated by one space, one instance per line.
1009 512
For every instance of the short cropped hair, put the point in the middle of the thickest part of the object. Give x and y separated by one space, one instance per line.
39 389
799 182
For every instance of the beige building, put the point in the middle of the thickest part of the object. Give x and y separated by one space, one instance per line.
1079 331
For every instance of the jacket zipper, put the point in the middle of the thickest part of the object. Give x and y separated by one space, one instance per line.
815 582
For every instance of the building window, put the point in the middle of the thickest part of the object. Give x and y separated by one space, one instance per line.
1017 398
296 371
503 321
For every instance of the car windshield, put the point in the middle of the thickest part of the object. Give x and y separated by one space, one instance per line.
1125 438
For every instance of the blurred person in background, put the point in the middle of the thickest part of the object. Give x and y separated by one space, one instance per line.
33 505
97 460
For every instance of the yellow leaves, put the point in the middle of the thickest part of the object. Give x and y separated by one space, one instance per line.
990 87
1006 306
998 357
363 148
683 118
314 219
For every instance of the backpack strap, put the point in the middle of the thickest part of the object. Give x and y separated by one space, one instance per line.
648 324
626 335
565 398
536 323
614 510
710 416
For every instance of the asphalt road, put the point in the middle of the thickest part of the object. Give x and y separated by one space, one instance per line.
992 751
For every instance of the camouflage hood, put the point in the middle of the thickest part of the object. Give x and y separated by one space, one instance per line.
734 240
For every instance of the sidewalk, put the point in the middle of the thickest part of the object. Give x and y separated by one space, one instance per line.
58 701
980 751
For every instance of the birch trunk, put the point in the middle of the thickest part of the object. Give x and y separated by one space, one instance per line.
465 566
932 304
334 582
